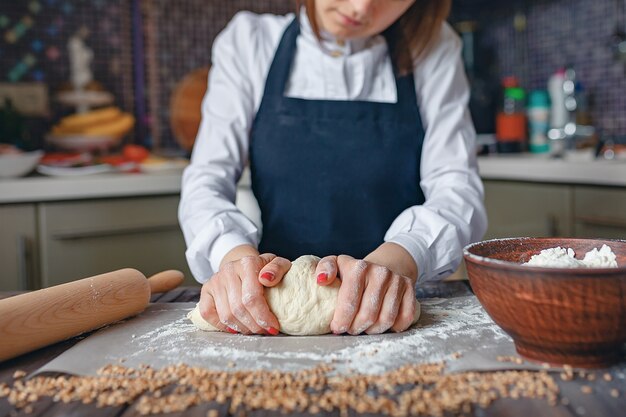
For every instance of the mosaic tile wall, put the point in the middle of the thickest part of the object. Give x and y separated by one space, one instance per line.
34 36
559 33
174 38
178 37
171 38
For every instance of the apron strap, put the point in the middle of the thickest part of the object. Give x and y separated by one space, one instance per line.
278 74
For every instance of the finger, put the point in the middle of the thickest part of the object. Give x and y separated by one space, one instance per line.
389 310
377 281
226 316
407 308
267 257
352 273
207 310
253 298
272 273
237 307
326 270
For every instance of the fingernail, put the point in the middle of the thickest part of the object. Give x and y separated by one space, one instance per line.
272 331
342 330
267 276
361 329
322 278
231 330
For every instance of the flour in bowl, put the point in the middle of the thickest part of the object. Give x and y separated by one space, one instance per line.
564 258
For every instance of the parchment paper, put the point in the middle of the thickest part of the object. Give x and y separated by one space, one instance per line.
162 335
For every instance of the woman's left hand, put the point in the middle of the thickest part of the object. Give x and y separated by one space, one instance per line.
376 294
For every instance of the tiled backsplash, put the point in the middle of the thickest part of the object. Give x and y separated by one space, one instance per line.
559 33
33 45
180 34
176 37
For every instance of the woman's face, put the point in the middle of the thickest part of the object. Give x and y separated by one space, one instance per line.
350 19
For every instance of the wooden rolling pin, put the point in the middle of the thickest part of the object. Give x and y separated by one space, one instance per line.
39 318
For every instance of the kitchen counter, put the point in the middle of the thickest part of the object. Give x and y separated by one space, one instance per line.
525 167
573 399
42 188
574 169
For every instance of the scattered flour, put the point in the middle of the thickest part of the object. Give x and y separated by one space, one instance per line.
447 327
565 258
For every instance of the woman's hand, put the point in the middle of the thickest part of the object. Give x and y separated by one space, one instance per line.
233 301
376 294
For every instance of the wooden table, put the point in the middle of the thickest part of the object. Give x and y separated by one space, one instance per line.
597 403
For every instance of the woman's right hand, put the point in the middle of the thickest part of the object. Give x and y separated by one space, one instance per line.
233 299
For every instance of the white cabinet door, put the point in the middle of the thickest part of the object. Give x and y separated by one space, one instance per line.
518 209
86 238
18 247
600 212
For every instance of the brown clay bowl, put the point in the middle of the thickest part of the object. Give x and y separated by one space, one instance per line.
574 316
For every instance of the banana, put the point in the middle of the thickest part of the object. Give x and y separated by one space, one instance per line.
118 127
59 130
77 122
109 121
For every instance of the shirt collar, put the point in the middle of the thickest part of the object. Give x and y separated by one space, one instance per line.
331 45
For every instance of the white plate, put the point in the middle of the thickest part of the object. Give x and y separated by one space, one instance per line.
171 165
74 171
83 143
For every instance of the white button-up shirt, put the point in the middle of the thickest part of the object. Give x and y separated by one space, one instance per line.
434 233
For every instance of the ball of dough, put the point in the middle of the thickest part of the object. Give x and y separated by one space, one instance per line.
301 306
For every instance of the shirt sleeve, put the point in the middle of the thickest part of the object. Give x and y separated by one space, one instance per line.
453 214
212 225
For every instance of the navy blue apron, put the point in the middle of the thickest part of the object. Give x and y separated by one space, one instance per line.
331 176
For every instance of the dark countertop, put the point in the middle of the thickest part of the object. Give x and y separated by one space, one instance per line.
597 403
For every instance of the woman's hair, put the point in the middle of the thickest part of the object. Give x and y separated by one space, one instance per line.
410 36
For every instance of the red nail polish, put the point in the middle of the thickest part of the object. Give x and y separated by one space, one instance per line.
267 276
322 278
272 331
231 330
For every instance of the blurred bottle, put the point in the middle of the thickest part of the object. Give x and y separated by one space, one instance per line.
511 122
570 120
586 133
558 112
583 111
538 121
11 124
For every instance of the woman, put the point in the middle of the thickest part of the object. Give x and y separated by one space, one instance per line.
353 118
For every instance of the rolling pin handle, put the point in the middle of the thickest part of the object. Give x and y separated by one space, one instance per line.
165 281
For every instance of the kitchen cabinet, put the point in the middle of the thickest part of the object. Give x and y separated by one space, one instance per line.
18 247
518 208
600 212
50 243
57 229
528 209
85 238
54 230
534 209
